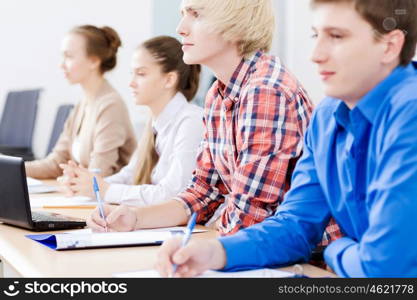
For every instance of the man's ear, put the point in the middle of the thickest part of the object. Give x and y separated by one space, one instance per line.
171 80
394 42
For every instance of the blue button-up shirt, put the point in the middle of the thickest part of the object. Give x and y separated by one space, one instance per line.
359 166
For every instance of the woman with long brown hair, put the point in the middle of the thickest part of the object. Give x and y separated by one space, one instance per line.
166 155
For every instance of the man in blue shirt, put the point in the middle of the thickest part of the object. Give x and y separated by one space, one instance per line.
359 163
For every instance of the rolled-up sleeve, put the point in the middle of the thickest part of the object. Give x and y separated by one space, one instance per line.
204 193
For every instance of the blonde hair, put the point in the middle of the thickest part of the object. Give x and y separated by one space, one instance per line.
147 156
249 23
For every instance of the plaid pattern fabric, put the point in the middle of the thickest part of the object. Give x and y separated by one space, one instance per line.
331 234
254 128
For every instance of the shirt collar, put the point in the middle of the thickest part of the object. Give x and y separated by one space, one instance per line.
341 115
371 102
169 112
239 77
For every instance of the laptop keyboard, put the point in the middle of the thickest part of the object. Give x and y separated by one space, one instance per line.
46 217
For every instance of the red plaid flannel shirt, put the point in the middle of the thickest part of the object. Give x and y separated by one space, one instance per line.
254 130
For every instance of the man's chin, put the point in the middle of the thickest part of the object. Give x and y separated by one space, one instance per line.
71 82
189 60
333 93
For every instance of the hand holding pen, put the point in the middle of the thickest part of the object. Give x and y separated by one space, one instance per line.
98 198
186 236
181 258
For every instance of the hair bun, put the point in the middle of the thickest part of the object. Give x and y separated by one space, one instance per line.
112 37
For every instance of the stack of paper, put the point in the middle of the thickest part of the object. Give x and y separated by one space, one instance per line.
33 182
37 187
62 202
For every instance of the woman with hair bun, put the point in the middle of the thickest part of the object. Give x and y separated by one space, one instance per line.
166 155
98 133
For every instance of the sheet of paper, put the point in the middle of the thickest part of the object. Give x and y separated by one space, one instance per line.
38 187
258 273
41 189
40 202
33 182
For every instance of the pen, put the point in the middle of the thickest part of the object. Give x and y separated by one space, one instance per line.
98 198
186 236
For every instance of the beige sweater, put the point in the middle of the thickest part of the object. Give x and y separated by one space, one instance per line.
106 137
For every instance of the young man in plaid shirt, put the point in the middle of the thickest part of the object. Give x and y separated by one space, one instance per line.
256 114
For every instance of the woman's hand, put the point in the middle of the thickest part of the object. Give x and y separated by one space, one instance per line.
78 181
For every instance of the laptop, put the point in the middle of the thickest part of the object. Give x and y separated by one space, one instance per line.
15 204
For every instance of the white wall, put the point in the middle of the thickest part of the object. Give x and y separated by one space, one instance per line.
31 33
294 44
166 16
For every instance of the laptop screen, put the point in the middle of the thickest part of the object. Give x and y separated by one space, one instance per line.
14 198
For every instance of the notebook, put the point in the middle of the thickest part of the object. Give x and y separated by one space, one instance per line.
83 239
15 206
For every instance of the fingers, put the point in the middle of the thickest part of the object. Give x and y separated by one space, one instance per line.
80 185
112 214
75 181
66 190
64 186
164 262
81 171
199 256
185 259
63 180
63 166
72 163
70 169
82 167
186 271
185 253
95 222
171 253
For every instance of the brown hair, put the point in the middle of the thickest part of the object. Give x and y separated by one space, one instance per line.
168 53
102 43
385 16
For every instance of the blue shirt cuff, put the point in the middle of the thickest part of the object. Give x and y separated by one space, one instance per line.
343 257
234 257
